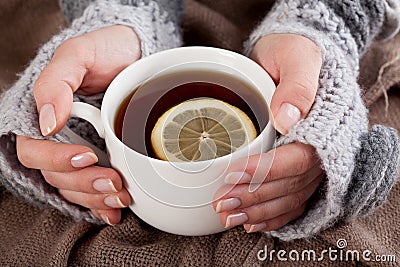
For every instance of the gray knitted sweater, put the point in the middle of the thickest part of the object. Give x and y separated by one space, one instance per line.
361 165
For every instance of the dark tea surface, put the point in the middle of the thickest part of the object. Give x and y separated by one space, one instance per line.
139 112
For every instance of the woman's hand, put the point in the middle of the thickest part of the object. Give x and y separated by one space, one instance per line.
285 177
294 63
289 175
84 64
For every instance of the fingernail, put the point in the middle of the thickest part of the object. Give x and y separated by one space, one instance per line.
235 177
253 187
84 160
288 115
257 227
236 219
47 119
228 205
113 201
104 186
105 219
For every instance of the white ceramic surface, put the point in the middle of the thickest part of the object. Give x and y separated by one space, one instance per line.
175 197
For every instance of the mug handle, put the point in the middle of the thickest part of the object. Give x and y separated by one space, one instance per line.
92 115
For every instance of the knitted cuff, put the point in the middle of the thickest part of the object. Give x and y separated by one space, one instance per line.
338 118
18 108
375 173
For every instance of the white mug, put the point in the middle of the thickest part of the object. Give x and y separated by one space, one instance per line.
176 197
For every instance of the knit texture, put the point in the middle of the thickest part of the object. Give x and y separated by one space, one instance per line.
18 108
30 236
171 10
373 177
337 124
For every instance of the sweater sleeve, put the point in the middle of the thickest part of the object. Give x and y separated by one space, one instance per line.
157 28
337 124
154 21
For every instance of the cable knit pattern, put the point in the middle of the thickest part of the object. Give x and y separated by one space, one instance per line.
363 18
337 122
18 108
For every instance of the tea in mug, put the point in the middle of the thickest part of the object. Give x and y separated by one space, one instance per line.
143 115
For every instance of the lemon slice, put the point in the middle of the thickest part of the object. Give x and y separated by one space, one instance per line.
201 129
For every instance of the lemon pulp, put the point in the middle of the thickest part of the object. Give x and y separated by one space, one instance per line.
201 129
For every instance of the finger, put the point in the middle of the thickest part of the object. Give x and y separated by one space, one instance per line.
109 216
295 93
285 161
92 179
87 63
294 63
269 209
118 200
239 197
50 156
56 84
275 223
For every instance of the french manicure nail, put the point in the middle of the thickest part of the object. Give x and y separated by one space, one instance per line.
47 119
113 201
105 219
228 205
84 160
288 115
253 187
235 177
257 227
104 186
236 219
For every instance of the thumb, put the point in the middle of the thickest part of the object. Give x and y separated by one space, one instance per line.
53 90
295 93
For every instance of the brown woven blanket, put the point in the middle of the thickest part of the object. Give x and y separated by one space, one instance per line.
30 236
